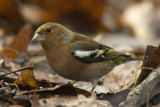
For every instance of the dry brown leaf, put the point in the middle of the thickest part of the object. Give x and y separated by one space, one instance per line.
21 41
8 54
151 60
27 78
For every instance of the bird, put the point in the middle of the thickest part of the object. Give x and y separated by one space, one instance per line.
75 56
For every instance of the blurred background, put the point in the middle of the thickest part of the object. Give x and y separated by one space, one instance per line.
139 18
126 25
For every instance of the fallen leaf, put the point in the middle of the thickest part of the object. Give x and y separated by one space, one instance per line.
61 90
151 61
21 41
152 89
8 54
27 79
114 98
139 96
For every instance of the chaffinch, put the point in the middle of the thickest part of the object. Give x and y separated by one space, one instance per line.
75 56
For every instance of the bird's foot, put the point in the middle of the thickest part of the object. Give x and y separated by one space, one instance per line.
94 84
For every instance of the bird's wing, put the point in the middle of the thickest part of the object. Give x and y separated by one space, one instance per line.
91 51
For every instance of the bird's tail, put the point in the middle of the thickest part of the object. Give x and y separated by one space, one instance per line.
125 58
118 57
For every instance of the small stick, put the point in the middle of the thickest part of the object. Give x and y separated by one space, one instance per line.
24 68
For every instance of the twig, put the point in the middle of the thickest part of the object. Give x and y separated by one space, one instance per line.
147 100
24 68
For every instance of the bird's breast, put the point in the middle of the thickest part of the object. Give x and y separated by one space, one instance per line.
60 59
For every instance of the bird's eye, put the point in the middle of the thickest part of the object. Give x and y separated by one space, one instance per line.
48 30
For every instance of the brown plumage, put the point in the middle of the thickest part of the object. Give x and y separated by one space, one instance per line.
75 56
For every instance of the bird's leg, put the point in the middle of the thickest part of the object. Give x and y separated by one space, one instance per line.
94 84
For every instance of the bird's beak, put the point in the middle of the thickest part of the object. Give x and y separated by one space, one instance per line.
37 37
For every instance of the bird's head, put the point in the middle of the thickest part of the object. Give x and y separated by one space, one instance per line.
51 32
